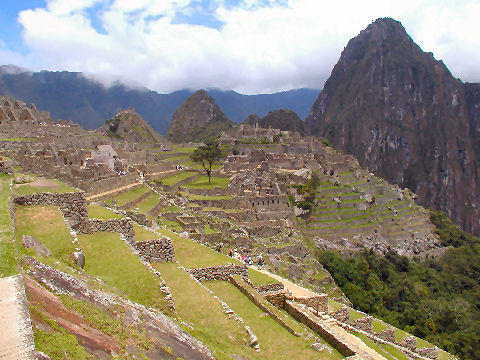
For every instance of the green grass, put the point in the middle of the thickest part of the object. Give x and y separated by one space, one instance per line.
192 254
208 230
102 213
19 139
258 278
275 341
206 197
147 204
128 196
196 306
27 189
183 150
388 351
142 234
202 183
379 326
193 165
46 224
176 158
7 245
173 179
170 224
109 258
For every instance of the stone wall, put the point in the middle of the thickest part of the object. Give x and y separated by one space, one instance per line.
431 353
222 272
319 302
276 298
387 335
253 295
410 343
270 287
300 313
122 226
159 250
365 324
342 315
72 205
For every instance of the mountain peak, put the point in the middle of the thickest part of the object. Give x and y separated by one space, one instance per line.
198 119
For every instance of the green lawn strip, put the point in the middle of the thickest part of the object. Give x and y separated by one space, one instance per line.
334 305
258 278
193 255
183 150
26 189
7 244
379 326
102 213
170 224
208 230
354 315
130 195
173 179
206 197
19 139
388 351
196 306
202 183
275 341
176 158
193 165
142 234
46 224
109 258
145 205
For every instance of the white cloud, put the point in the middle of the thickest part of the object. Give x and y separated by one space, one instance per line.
278 46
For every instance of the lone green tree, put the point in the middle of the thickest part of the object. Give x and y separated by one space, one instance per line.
207 155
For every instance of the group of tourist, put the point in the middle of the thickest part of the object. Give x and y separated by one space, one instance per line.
245 258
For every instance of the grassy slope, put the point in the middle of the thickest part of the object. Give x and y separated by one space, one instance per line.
202 183
109 258
7 245
99 212
173 179
26 189
128 196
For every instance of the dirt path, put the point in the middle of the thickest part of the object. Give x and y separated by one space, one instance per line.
113 191
16 335
296 290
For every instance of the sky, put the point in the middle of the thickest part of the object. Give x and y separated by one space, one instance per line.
245 45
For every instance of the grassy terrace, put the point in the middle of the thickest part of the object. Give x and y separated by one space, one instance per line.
99 212
192 255
7 245
196 307
206 197
275 342
43 185
142 234
145 205
173 179
202 183
387 351
47 225
109 258
128 196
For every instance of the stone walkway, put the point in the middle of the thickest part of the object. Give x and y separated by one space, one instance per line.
113 191
16 335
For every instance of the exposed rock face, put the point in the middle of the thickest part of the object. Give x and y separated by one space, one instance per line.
198 119
129 125
406 118
282 119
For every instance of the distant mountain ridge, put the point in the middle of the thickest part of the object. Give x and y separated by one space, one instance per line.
403 115
72 96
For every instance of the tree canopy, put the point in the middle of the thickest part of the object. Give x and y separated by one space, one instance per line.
207 155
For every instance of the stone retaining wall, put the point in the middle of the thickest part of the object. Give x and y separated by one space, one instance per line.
72 205
270 287
365 324
410 343
252 294
319 302
222 272
276 298
159 250
342 315
123 226
300 313
431 353
387 335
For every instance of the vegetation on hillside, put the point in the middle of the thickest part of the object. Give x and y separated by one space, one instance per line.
438 299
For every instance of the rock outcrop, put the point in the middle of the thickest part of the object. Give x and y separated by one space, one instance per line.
283 119
406 118
198 119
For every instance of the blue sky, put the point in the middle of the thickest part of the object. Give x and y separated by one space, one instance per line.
245 45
